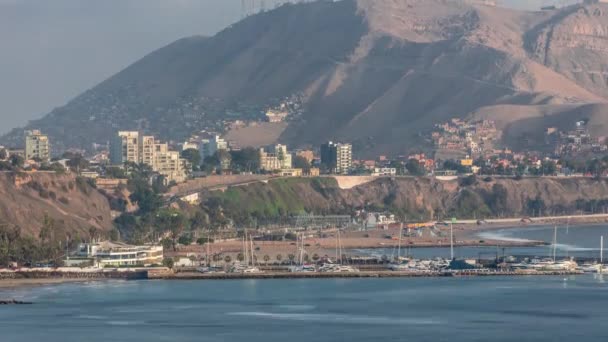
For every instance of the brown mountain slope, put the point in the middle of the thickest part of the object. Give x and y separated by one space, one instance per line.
376 73
74 205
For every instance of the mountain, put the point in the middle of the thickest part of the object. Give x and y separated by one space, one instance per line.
377 73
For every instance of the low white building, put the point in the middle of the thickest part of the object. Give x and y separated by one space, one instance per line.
384 171
115 254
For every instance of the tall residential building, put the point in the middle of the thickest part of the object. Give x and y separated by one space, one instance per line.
337 158
169 163
37 145
147 150
278 159
135 148
125 148
208 148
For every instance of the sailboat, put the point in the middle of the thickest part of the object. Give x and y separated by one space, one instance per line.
338 268
597 268
399 264
249 258
302 267
554 265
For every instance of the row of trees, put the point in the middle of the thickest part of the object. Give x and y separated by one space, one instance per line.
49 247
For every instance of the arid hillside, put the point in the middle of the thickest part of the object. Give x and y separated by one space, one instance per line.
376 73
25 200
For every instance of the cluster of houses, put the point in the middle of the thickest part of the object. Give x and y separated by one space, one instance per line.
578 140
471 138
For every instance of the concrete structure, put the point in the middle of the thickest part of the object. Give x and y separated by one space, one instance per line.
290 173
114 254
37 146
278 159
135 148
210 147
384 171
337 158
169 164
110 185
276 116
124 148
306 154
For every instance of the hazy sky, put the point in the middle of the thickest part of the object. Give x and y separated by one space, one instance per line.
52 50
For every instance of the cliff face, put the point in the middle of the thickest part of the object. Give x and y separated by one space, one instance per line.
74 205
419 198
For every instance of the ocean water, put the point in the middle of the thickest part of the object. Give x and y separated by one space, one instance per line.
441 309
576 241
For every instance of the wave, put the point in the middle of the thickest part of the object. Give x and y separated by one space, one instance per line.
297 307
500 236
338 319
125 323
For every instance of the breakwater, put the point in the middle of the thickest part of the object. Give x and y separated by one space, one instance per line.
131 275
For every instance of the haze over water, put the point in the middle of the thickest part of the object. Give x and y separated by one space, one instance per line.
574 240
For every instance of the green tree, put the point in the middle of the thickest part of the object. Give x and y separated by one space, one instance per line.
279 258
245 160
168 262
46 231
300 162
115 173
414 168
266 259
173 221
17 161
240 257
535 206
76 162
227 259
193 156
3 154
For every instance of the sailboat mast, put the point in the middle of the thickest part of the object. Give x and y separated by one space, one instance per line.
339 248
554 243
251 250
602 250
207 250
451 241
399 248
301 249
337 237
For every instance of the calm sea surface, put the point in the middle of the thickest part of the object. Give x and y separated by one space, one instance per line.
467 309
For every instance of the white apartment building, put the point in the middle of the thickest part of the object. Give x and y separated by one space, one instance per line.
209 147
125 148
135 148
344 158
37 145
337 157
169 163
278 159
